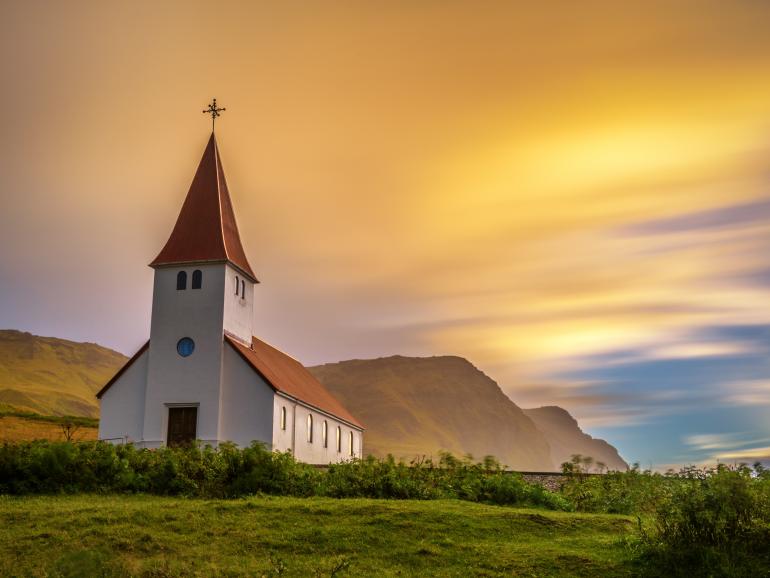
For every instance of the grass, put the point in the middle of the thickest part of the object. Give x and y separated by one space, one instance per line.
89 535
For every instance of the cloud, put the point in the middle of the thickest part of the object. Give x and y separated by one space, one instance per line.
728 216
760 454
750 392
714 441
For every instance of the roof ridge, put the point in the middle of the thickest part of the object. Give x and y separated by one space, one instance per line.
219 193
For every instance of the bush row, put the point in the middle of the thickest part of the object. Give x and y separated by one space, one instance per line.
227 471
697 521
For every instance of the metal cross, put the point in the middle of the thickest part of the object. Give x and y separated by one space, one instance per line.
214 112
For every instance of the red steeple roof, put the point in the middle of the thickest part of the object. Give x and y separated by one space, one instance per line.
206 229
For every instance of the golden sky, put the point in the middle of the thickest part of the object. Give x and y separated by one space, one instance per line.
539 188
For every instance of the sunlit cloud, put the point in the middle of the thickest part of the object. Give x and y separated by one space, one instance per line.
761 454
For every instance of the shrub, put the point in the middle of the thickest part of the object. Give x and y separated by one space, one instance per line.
716 523
227 471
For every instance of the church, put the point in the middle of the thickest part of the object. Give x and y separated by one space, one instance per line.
203 375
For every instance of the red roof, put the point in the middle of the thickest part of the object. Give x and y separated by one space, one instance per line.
206 229
287 375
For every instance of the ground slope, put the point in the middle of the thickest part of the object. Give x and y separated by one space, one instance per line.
421 405
566 438
53 376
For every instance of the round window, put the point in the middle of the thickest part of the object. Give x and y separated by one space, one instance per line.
185 346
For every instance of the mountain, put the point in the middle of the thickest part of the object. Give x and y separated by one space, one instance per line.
53 376
420 405
414 406
566 438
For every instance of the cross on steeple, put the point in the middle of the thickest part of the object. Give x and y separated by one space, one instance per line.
214 112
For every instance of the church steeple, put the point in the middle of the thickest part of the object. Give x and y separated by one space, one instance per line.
206 230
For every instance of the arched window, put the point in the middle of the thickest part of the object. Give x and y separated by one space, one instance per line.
324 434
237 285
283 418
309 429
243 289
197 280
339 439
181 281
350 443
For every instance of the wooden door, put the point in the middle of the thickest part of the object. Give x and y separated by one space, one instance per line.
182 424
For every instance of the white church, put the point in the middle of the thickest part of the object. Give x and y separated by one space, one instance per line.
203 375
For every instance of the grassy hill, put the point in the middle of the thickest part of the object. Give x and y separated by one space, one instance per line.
53 376
89 535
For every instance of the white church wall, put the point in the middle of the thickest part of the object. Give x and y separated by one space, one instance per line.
315 451
282 432
177 380
238 305
122 405
246 409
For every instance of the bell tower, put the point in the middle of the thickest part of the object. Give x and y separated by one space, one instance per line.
203 289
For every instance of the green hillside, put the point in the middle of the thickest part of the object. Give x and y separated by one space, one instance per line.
53 376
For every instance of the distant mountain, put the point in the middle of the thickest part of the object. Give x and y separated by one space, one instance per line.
53 376
566 438
419 406
414 406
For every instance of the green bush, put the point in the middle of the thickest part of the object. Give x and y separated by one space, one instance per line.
716 522
630 492
227 471
695 522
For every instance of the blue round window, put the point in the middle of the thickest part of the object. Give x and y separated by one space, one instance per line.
185 346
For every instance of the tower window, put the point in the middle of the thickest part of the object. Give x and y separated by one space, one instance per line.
237 285
323 434
309 429
181 281
339 439
185 347
197 279
243 289
283 418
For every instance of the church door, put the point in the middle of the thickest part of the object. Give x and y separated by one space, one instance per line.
182 423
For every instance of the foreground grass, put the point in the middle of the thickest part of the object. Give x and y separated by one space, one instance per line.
87 535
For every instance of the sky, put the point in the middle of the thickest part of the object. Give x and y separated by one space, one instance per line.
575 197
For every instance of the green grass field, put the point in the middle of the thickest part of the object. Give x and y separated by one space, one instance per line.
87 535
